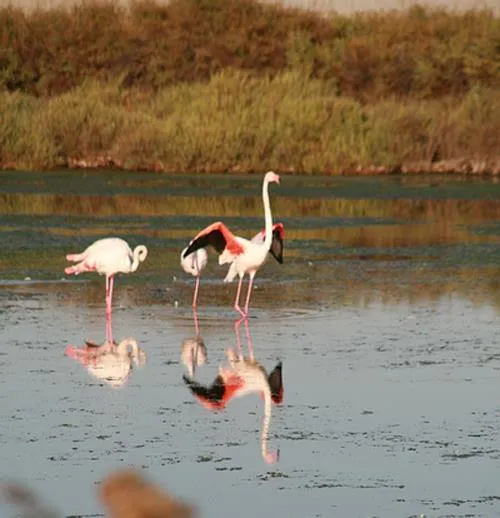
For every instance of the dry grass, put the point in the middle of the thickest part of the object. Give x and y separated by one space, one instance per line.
420 52
237 122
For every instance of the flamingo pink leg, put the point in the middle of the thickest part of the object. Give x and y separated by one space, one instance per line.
196 290
237 299
249 340
237 333
249 292
196 326
109 300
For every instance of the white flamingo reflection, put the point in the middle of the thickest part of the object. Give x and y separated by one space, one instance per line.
240 377
111 363
193 350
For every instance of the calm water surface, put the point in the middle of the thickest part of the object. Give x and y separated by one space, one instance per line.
385 315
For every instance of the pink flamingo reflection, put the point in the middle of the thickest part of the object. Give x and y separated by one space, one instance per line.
240 377
193 350
110 362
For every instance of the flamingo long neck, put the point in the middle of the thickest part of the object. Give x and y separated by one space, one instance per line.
124 345
268 218
265 423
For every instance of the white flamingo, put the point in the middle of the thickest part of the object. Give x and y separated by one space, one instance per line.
108 257
246 256
194 350
243 376
195 262
110 363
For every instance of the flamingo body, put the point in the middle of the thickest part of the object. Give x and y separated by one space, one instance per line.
107 256
193 353
195 262
110 363
245 377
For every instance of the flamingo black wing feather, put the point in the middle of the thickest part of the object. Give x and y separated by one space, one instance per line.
215 239
276 249
275 380
214 393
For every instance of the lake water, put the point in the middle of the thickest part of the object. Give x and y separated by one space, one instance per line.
385 315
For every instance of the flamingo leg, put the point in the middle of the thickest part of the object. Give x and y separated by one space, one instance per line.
249 340
109 331
237 333
196 325
196 290
237 298
249 292
109 300
108 295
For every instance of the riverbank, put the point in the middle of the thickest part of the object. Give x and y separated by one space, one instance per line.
240 124
237 86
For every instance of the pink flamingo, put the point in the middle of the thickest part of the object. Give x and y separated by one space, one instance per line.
111 363
243 376
195 262
194 350
246 256
108 257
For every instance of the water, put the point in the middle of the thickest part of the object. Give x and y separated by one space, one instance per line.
384 313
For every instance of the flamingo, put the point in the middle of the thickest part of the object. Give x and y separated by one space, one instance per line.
193 350
243 376
195 262
246 256
111 363
108 257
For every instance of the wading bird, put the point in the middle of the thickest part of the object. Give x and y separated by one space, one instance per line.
193 350
246 256
195 262
243 376
111 363
108 257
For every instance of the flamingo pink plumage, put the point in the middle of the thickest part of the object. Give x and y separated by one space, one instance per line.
108 257
195 262
246 256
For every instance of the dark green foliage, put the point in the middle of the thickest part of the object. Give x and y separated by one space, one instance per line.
420 52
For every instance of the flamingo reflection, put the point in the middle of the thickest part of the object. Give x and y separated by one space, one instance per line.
243 376
193 350
110 362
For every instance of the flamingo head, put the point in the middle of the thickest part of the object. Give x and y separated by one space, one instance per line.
272 177
142 252
139 358
272 457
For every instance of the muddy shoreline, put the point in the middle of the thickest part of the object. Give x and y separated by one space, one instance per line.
457 166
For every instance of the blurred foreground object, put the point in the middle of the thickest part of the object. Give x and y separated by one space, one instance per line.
27 502
126 494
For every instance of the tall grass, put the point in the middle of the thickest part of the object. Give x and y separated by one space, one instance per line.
238 122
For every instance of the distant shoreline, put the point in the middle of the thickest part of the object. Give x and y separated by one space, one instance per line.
461 167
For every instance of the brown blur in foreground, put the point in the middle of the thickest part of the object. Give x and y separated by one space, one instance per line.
124 494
